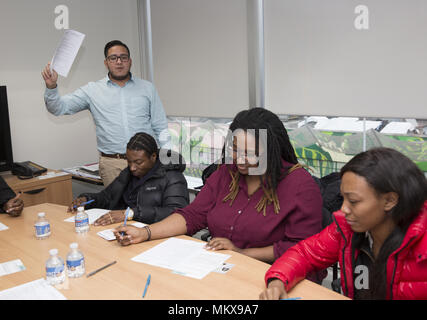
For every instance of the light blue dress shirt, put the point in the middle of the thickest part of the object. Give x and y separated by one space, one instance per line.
118 112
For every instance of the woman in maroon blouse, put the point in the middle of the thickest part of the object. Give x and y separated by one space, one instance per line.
259 214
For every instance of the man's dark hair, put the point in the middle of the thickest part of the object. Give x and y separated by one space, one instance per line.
114 43
143 141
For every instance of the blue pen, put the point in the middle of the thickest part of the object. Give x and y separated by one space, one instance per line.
146 285
296 298
83 204
126 218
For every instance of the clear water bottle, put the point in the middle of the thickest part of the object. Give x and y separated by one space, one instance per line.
81 220
42 226
75 262
55 269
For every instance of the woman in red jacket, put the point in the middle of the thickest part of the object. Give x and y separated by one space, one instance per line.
378 237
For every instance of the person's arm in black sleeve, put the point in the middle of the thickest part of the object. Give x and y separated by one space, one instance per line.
6 193
175 195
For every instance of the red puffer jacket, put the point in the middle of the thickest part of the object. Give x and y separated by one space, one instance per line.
406 266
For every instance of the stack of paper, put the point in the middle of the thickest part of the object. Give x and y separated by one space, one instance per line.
185 257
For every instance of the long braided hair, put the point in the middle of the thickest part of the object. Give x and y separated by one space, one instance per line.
278 147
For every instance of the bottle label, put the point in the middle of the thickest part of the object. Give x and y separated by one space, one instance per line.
42 230
54 271
82 222
72 264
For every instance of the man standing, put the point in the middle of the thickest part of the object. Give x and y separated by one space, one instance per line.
121 105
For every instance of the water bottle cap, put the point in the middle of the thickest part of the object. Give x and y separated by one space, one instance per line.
53 252
41 214
74 245
80 208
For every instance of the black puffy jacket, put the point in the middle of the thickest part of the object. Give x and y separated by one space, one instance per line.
163 192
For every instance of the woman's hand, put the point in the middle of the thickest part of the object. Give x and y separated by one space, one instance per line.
127 235
221 244
76 203
275 291
114 216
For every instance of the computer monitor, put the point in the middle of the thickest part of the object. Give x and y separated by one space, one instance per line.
6 156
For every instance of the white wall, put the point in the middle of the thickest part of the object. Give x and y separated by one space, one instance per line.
28 39
200 56
318 63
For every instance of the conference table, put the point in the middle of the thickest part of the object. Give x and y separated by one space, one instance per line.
126 279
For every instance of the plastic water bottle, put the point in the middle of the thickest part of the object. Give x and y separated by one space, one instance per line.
75 262
55 269
42 226
81 220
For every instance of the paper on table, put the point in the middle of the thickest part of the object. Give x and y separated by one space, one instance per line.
66 51
3 227
185 257
199 265
34 290
93 214
11 267
108 234
52 174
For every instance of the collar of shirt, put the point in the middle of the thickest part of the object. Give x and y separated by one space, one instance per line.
108 81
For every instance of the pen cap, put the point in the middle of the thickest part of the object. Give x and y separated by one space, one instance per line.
74 245
53 252
41 214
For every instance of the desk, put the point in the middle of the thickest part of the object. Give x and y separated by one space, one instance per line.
126 279
51 188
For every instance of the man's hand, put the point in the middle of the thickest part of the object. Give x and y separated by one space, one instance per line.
50 78
14 206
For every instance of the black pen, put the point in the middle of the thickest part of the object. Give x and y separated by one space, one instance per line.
102 268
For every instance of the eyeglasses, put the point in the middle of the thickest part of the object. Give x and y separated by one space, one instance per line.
251 156
122 57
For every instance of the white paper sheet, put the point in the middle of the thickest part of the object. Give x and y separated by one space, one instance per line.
82 173
108 234
34 290
3 227
66 51
193 182
185 257
11 267
93 214
52 174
